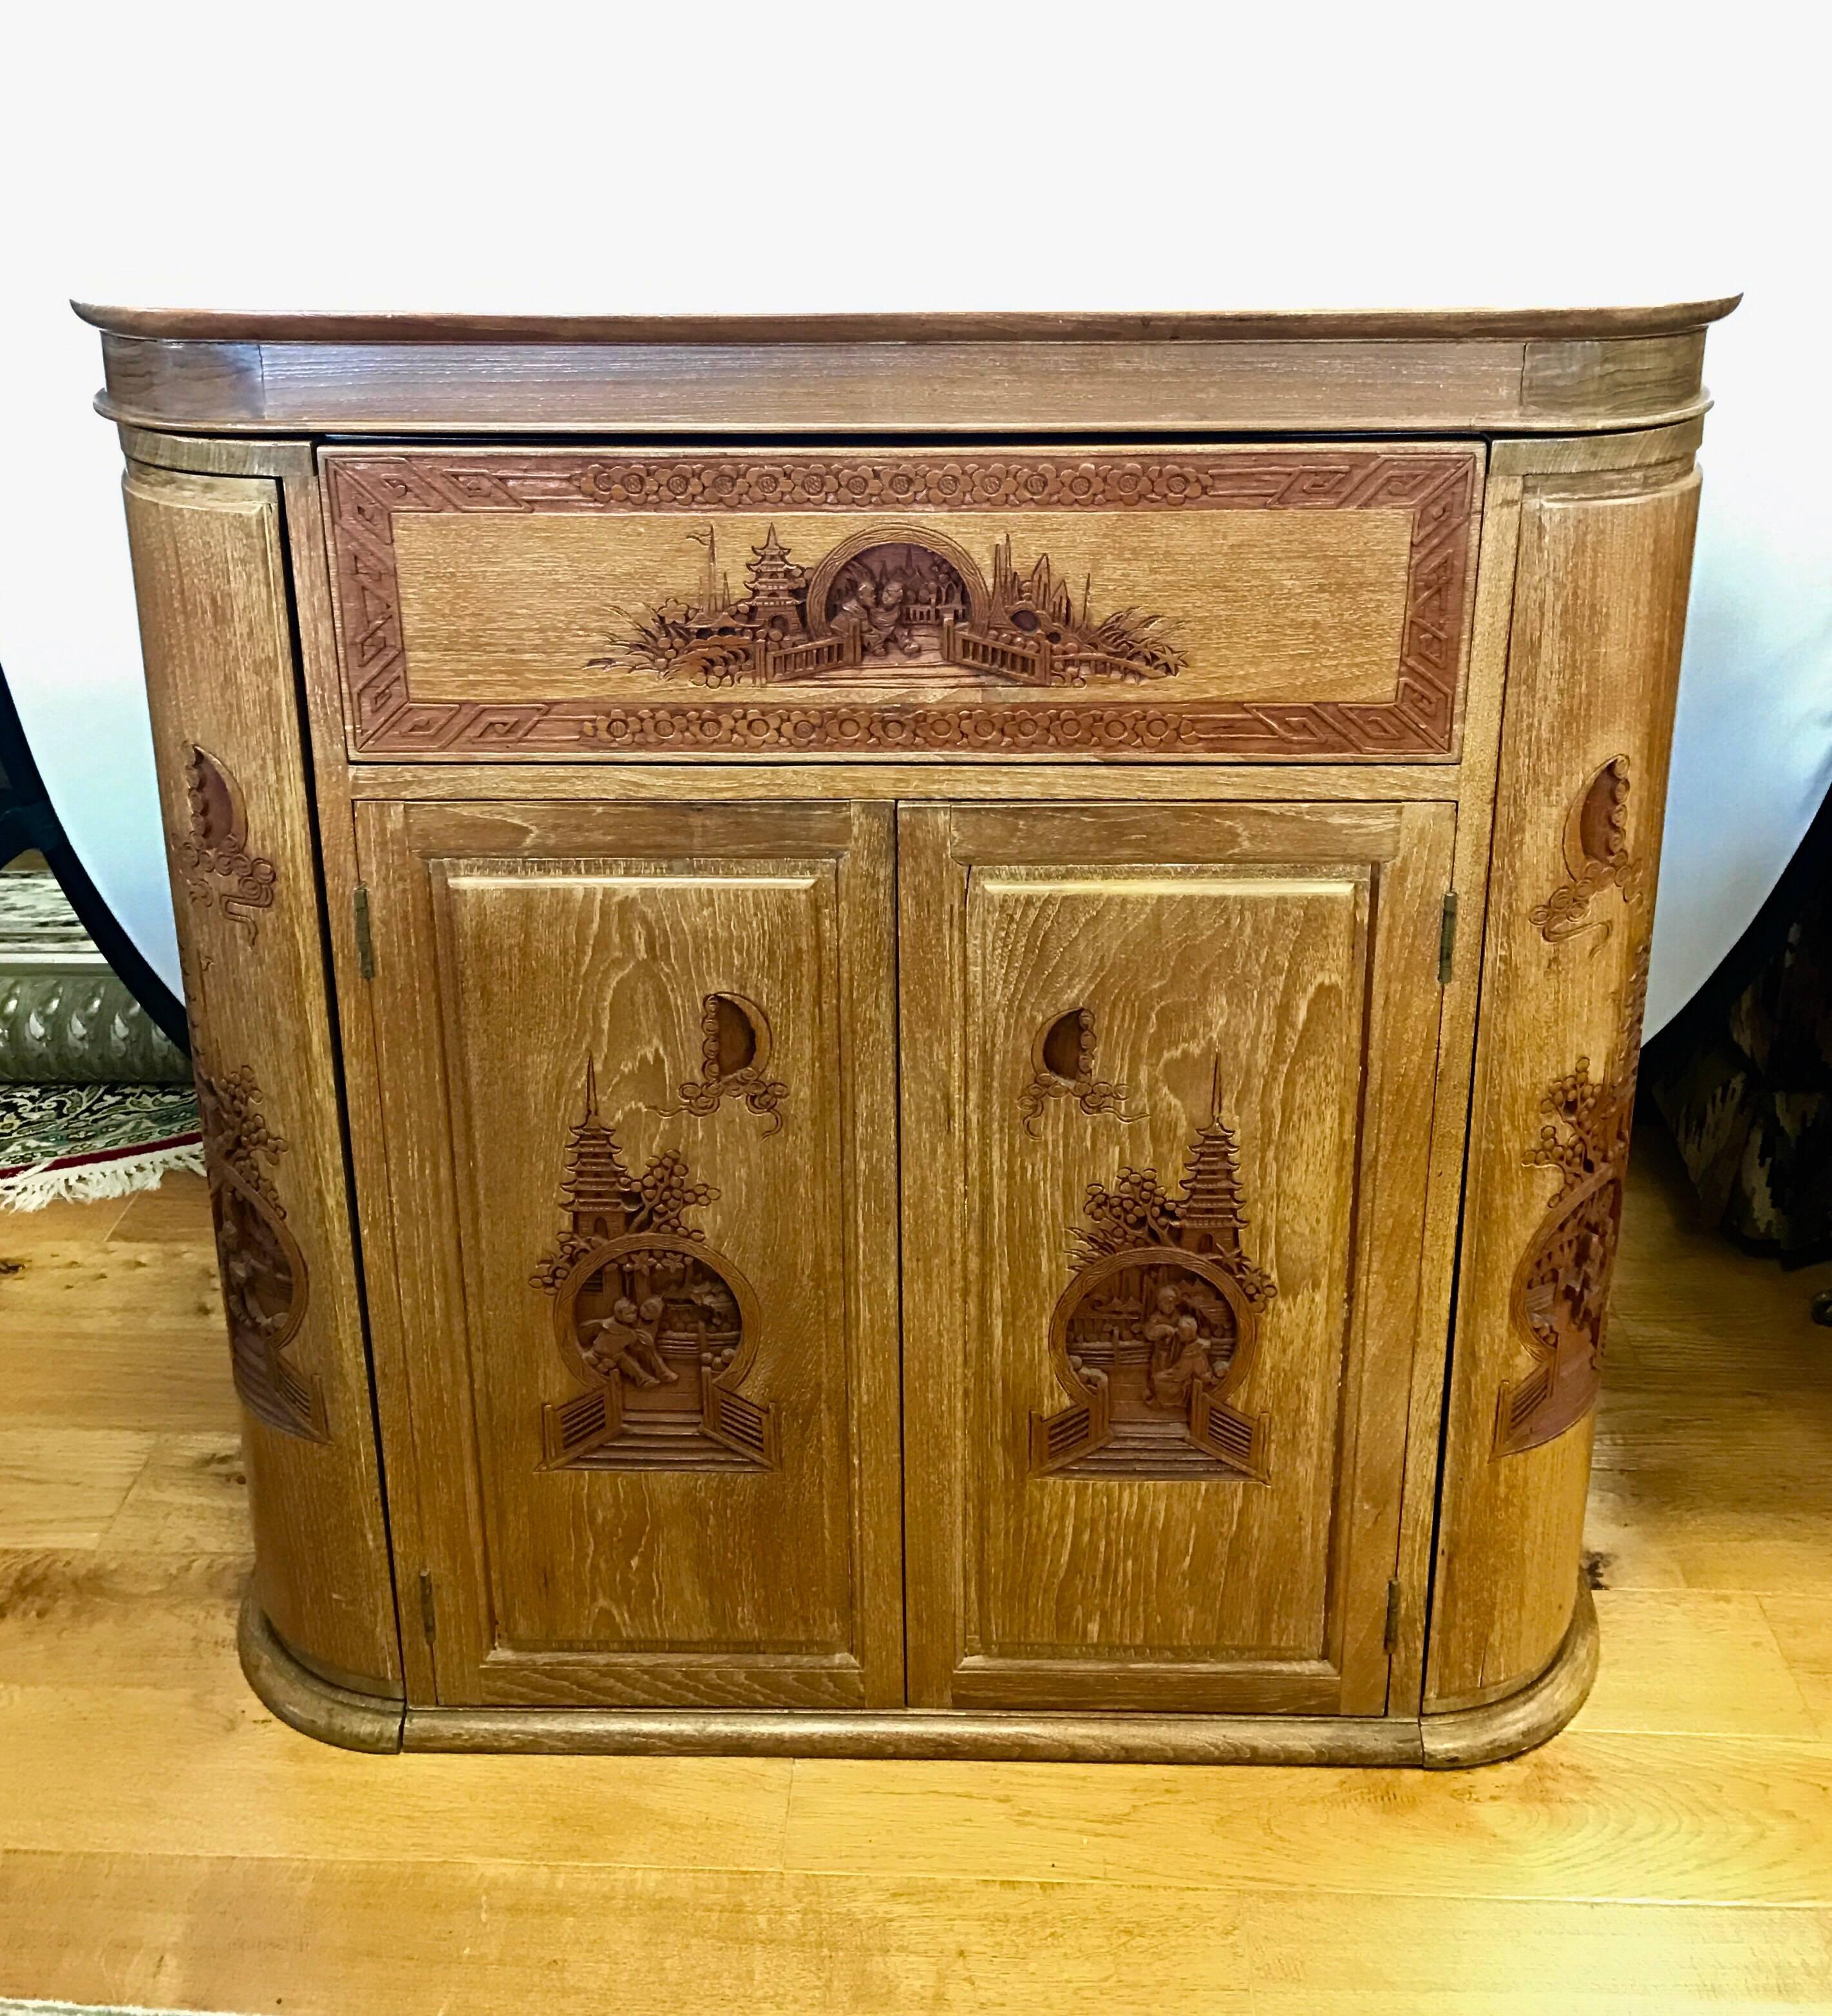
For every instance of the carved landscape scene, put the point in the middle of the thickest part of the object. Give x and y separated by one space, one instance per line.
896 601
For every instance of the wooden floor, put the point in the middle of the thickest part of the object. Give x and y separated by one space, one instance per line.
165 1841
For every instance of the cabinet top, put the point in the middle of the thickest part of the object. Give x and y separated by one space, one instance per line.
1226 325
1454 370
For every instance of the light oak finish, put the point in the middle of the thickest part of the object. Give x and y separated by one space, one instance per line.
1255 967
167 1842
781 1585
174 324
1600 611
744 1052
210 576
1554 371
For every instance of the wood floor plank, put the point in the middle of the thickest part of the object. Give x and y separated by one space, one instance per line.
92 1617
60 1487
1682 1819
474 1939
198 1766
1704 1662
1624 1551
1802 1626
507 1937
93 1335
1324 1955
191 1497
177 1211
27 1233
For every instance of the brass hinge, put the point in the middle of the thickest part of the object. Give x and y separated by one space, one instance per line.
429 1623
1447 939
366 943
1390 1637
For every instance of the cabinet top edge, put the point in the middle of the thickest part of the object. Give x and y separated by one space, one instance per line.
283 326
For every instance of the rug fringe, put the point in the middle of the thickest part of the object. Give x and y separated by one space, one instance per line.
88 1182
9 2007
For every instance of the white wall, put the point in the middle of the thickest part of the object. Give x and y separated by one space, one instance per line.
770 158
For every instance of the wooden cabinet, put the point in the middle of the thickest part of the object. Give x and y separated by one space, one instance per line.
954 1085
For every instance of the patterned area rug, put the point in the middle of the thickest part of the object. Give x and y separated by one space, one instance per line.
84 1141
65 1019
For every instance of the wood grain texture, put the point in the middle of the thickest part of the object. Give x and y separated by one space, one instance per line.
1311 603
1265 973
1297 384
167 1842
518 944
217 1933
1461 972
1521 1720
303 1701
214 325
1604 557
315 627
210 576
933 779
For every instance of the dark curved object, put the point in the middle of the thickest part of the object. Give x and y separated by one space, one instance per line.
28 820
1808 870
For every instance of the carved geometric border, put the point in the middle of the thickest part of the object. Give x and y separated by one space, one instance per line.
365 492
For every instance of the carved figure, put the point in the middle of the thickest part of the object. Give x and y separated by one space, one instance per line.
1158 1326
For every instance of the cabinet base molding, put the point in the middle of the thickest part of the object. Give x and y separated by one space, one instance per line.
305 1701
335 1715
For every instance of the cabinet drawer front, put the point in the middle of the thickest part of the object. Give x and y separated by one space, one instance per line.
1164 1152
642 1319
1309 603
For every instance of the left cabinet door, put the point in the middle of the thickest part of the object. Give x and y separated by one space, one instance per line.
637 1097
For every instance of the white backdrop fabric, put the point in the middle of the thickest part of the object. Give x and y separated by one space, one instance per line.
604 160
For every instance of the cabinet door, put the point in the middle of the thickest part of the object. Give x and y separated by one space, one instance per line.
1167 1094
647 1278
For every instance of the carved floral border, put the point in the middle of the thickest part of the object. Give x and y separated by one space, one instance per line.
365 492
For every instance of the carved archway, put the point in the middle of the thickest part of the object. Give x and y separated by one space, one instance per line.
1113 1424
954 556
653 1400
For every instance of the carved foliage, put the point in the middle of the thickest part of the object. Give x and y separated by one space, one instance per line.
1062 1067
213 857
265 1282
365 494
1596 854
1158 1327
734 1062
659 1329
1561 1287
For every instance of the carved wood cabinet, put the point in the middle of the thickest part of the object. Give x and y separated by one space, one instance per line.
916 1037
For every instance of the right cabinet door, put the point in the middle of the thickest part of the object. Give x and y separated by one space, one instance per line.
1167 1086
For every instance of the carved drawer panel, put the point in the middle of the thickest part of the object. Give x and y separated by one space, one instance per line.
1305 603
